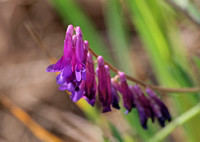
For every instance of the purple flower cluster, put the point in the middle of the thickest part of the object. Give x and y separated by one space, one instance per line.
148 106
77 75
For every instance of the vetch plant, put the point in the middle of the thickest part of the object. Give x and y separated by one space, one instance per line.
77 75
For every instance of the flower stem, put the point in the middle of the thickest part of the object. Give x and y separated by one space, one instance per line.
154 87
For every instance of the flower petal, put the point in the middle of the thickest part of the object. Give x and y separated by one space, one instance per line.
77 95
60 79
69 87
55 67
67 71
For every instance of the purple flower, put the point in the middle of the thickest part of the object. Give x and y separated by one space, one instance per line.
115 96
104 90
90 83
127 94
159 109
143 105
72 64
80 69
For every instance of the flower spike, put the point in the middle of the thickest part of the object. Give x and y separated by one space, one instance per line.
90 87
77 75
127 95
103 91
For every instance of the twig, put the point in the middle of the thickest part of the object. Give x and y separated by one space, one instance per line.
160 89
157 88
31 124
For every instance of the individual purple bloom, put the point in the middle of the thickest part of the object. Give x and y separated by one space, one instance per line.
142 104
103 85
109 87
71 65
115 96
68 42
80 69
158 107
90 82
127 95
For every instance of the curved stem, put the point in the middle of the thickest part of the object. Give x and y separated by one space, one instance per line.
154 87
160 89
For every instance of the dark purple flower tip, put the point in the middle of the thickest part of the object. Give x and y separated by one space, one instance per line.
141 101
158 107
143 117
106 109
100 61
91 102
115 98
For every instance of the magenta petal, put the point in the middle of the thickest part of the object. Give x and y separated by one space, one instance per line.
68 42
79 45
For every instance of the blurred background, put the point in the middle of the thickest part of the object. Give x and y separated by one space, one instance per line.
154 41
